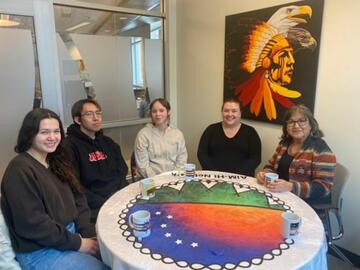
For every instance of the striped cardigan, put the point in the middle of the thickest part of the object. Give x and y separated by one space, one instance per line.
312 170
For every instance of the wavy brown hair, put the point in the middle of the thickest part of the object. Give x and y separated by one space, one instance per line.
58 160
305 111
164 103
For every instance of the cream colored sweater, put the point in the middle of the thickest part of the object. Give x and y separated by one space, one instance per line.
156 153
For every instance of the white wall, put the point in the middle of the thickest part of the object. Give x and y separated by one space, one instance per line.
200 64
171 58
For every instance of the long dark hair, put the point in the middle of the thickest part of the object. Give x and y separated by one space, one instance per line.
58 160
305 111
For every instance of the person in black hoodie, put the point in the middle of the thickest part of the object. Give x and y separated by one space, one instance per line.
97 159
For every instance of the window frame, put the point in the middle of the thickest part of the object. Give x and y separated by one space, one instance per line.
101 7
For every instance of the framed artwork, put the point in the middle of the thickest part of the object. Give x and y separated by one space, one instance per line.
271 58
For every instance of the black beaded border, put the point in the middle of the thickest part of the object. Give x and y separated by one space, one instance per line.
197 266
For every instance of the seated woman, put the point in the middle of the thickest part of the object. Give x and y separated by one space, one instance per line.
159 147
230 146
304 161
42 203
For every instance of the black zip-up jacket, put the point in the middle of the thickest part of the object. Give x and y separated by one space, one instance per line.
99 164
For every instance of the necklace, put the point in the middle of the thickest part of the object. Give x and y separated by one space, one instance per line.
294 149
44 163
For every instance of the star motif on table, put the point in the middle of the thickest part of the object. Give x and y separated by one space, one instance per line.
178 242
163 225
167 235
194 245
158 213
169 216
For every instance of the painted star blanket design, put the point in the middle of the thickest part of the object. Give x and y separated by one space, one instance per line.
210 224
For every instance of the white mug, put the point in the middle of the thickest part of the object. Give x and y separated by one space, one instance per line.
139 221
189 171
271 177
290 224
147 188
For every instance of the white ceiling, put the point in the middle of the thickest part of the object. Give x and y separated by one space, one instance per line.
98 22
102 22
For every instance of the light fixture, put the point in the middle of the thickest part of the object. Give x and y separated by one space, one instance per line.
77 26
5 20
66 12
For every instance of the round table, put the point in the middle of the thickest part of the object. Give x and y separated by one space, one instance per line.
199 242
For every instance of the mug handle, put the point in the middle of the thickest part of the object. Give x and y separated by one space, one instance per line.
131 224
300 222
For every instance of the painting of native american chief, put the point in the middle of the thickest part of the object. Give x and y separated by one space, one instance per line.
271 58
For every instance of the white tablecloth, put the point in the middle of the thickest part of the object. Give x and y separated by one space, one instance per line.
308 252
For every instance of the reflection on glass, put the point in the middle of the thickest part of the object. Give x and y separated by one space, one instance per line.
19 79
9 21
116 58
85 79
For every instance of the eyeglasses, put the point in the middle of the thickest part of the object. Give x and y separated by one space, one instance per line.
301 122
90 114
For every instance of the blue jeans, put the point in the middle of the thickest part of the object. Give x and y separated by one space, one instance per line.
50 258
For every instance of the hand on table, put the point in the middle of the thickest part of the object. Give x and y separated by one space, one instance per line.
279 185
89 246
260 177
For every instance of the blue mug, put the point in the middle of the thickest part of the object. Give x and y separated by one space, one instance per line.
139 221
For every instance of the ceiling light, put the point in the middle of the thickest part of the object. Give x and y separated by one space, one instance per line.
66 12
77 26
5 20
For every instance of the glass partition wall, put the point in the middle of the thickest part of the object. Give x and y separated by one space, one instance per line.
112 55
19 79
115 54
144 5
13 27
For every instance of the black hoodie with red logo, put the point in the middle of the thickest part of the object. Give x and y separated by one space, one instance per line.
99 164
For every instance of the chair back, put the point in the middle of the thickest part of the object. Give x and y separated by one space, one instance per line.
133 167
7 257
341 176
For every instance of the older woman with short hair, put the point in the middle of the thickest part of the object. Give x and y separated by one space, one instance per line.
304 162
